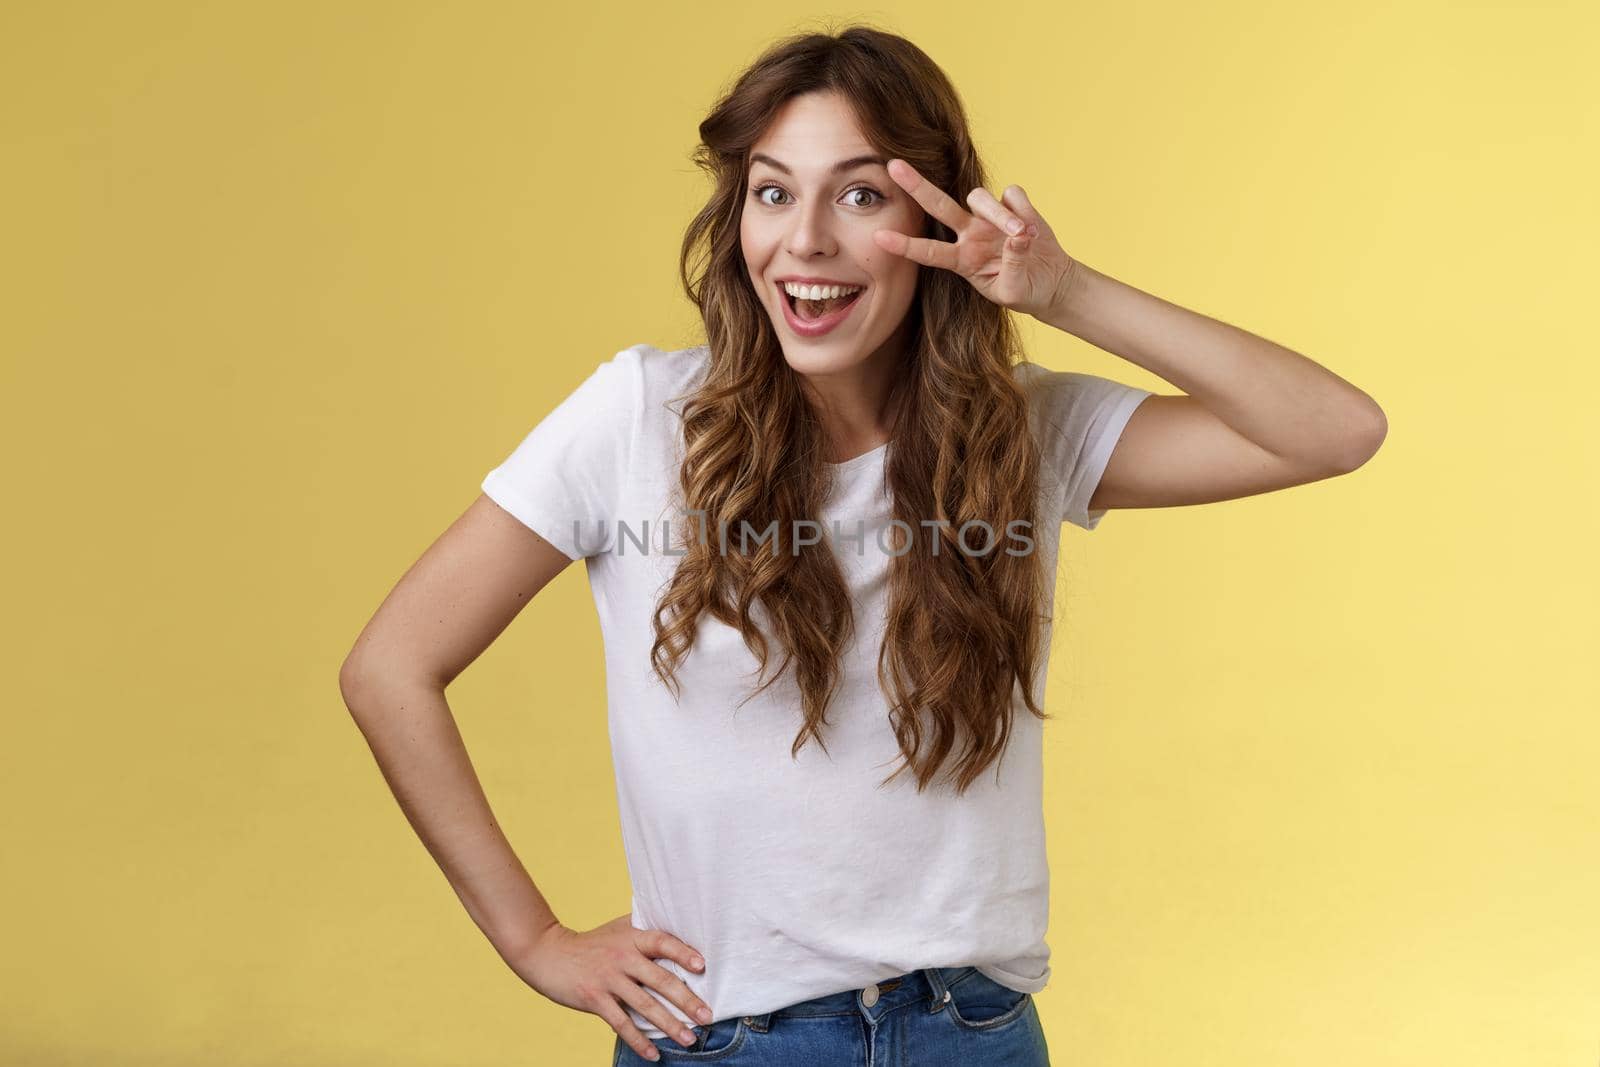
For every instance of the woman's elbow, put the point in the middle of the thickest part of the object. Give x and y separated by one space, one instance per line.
1364 442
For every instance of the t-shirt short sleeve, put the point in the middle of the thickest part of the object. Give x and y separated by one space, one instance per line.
1083 417
567 479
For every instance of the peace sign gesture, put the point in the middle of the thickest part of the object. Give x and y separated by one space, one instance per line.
1024 271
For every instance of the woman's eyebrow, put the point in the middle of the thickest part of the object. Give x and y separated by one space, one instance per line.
838 168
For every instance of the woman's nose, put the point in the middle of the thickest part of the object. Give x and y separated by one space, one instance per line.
812 232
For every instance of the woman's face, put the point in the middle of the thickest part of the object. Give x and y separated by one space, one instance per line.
804 218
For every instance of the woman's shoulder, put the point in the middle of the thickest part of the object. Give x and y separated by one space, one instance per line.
1047 390
1040 381
656 379
665 374
1059 397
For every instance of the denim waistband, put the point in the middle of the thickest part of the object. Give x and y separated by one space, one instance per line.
927 987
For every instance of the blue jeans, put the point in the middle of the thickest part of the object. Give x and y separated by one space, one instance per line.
936 1017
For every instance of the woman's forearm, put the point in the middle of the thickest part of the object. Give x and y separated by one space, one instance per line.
1274 396
409 727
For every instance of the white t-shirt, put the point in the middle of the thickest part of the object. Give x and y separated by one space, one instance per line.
795 877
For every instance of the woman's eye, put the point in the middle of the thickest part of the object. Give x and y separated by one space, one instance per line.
760 194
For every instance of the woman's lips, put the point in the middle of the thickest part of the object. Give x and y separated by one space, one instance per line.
816 327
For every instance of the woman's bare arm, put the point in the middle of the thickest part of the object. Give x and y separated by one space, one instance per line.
443 613
450 606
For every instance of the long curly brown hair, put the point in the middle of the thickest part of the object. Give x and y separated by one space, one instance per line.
963 629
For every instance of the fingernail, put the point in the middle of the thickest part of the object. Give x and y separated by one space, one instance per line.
704 1015
653 1054
1015 226
697 961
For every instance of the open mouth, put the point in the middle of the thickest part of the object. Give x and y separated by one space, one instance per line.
816 310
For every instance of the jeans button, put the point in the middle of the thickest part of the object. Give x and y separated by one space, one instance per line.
869 995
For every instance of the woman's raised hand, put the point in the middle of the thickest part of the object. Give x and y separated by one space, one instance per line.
1003 247
599 970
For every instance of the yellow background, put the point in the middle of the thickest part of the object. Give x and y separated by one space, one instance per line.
282 281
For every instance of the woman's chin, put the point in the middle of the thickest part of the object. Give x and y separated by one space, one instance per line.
820 357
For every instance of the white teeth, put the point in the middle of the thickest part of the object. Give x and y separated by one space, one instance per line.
819 292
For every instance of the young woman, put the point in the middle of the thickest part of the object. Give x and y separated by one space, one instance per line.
822 546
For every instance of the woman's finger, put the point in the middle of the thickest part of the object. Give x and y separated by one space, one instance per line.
933 199
635 994
922 250
631 1035
986 207
673 988
658 945
1017 200
1015 253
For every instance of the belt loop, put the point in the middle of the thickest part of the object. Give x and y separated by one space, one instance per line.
938 992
